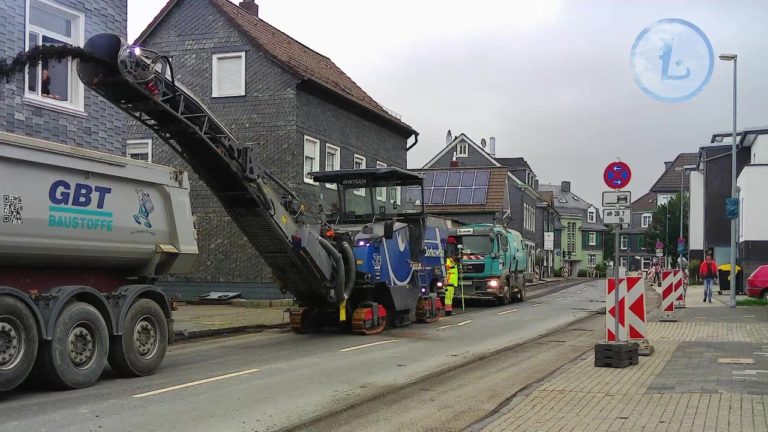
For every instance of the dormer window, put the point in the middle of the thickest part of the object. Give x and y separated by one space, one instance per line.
462 149
592 215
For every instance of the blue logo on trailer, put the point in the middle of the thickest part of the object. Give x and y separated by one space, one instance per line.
146 208
79 207
672 60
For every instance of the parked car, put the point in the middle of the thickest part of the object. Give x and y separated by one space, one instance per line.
757 283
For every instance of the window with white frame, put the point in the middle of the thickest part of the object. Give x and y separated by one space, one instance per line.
228 74
140 149
624 242
646 220
645 263
359 163
381 193
591 260
529 217
311 158
332 158
592 238
53 83
592 215
462 149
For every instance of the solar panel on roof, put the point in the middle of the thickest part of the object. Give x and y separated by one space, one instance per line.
465 187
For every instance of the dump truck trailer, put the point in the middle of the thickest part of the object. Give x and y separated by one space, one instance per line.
83 235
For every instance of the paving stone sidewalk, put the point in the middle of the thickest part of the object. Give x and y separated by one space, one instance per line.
709 373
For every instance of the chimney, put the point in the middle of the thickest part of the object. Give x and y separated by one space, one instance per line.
565 186
448 137
454 162
492 149
250 6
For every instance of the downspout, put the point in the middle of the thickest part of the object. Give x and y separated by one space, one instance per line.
416 141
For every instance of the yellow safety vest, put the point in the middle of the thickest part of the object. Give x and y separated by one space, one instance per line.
452 272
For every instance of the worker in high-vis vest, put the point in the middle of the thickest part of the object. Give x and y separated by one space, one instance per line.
452 281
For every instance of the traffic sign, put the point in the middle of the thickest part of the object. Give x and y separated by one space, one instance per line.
659 245
616 216
617 175
617 198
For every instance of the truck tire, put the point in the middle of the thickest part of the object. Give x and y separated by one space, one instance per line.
505 298
18 342
76 355
141 348
521 294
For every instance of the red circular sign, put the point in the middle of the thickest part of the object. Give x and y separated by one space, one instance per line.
617 175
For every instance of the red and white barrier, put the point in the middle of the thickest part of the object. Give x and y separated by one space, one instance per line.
668 294
612 313
679 290
636 319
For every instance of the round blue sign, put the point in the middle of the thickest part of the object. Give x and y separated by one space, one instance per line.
672 60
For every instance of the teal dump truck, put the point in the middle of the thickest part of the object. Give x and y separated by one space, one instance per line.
492 260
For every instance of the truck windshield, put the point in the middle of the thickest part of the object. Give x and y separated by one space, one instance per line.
385 201
480 244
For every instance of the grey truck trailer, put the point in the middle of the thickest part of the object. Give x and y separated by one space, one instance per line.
83 234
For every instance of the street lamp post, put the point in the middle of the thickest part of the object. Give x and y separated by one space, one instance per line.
734 222
682 170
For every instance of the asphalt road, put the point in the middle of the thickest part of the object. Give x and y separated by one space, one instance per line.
276 379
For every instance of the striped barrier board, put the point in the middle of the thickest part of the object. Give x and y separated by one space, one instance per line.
612 313
636 319
679 290
668 295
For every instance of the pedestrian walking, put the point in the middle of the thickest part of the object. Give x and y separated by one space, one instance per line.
708 273
656 272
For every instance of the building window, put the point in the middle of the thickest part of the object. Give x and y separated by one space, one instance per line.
462 149
359 163
311 158
139 150
381 193
591 260
624 242
332 158
591 215
646 220
592 238
623 262
571 237
228 73
54 83
645 263
529 217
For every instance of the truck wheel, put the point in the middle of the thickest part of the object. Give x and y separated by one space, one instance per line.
141 348
76 355
505 298
18 342
521 294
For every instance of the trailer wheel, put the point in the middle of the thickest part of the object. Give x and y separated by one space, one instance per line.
18 342
141 348
76 355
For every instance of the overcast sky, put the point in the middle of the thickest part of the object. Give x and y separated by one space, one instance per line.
549 79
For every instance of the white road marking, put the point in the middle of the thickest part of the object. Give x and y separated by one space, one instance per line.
506 312
537 304
579 292
194 383
563 298
367 345
446 326
469 321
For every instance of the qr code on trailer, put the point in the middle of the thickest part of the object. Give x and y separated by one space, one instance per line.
12 208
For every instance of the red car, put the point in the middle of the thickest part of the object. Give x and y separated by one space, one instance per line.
757 283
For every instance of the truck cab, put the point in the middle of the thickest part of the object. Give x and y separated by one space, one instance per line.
492 262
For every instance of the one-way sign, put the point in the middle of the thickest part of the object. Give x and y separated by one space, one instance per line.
616 216
617 199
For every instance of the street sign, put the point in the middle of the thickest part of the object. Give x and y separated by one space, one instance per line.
617 199
659 252
659 245
549 241
616 216
617 175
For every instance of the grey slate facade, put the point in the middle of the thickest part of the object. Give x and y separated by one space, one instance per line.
277 111
100 126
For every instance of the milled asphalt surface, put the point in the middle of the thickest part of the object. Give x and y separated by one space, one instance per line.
286 379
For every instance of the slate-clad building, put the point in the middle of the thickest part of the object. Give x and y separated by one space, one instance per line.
59 108
303 112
